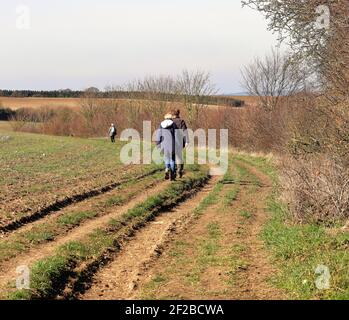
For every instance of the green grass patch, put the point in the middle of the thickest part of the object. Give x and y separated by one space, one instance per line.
236 262
206 254
36 237
76 218
238 248
246 214
214 230
230 197
159 279
244 175
208 201
153 285
45 278
115 201
265 165
10 249
298 250
178 249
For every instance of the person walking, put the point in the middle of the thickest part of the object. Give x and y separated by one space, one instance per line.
182 140
112 132
165 141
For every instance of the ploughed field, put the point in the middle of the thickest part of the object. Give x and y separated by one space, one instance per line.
74 215
16 103
39 171
81 225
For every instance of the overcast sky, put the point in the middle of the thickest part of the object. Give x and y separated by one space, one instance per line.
81 43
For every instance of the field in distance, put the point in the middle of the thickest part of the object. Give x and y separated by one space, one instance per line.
16 103
74 103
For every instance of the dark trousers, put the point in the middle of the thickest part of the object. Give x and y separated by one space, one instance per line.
112 138
179 163
180 167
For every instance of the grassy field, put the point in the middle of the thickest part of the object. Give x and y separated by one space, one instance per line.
39 170
313 260
224 237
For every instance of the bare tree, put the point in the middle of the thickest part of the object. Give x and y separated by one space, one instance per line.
157 84
317 32
113 100
90 108
152 94
272 78
195 83
194 87
156 94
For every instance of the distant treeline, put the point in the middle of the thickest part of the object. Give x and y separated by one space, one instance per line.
41 94
207 100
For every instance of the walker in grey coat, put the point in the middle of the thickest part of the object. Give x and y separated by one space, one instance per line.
166 142
112 133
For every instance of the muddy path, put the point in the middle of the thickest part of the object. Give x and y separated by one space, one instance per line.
254 281
219 255
127 272
8 274
63 203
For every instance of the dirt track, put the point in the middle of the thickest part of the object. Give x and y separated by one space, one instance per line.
150 253
235 266
125 274
8 268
